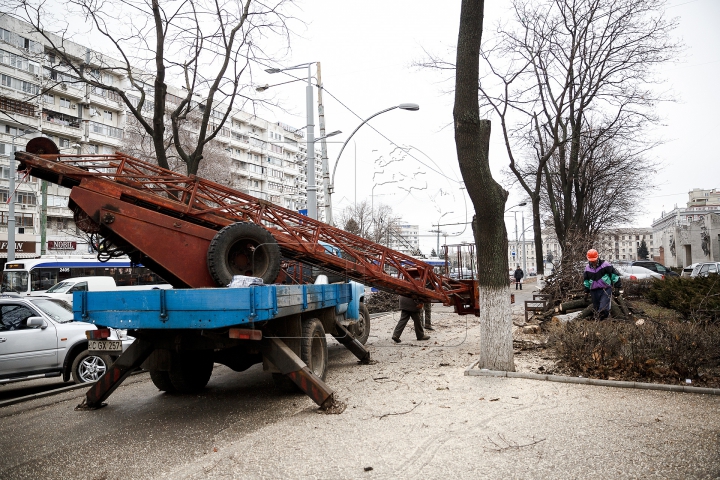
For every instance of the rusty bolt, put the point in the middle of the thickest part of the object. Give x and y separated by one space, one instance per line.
108 218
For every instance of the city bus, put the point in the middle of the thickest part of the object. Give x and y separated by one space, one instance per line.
27 276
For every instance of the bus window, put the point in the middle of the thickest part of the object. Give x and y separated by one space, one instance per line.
15 281
43 278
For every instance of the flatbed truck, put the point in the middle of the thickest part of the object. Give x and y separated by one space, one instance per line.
181 334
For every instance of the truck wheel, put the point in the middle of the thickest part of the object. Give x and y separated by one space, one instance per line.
313 347
89 367
190 371
243 249
162 381
361 329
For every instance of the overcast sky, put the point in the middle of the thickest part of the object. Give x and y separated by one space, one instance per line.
367 49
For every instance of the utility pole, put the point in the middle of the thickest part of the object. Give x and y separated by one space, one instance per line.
523 244
311 186
43 217
516 238
323 148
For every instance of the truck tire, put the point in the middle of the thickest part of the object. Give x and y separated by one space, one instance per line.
313 347
243 249
191 371
162 381
87 367
361 329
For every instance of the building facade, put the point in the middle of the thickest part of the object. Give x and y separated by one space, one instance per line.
39 93
690 234
406 239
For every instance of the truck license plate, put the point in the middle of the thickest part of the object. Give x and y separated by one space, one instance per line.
105 346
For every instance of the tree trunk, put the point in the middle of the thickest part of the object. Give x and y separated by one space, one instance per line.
472 141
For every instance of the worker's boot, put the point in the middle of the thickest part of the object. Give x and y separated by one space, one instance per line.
424 337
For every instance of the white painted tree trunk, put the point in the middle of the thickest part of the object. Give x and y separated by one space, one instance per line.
496 342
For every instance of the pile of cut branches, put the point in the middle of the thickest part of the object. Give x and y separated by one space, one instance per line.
668 350
379 302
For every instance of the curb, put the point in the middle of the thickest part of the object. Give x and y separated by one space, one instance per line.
471 371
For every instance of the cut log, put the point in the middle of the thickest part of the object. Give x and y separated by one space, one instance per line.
587 313
615 310
573 305
569 317
623 305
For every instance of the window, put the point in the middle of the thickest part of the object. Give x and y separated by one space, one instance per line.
94 149
64 102
25 198
63 142
50 99
107 115
21 85
14 317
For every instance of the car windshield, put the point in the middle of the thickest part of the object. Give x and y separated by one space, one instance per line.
58 310
61 287
15 281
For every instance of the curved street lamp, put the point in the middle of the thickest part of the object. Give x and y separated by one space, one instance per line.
330 185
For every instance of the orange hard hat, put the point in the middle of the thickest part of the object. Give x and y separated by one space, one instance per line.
592 255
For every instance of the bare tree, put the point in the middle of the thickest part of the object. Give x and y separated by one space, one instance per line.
206 46
608 185
576 73
381 225
472 140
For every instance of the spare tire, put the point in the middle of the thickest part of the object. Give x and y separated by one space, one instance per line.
243 249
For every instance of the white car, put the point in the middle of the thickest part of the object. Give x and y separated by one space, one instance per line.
38 338
634 272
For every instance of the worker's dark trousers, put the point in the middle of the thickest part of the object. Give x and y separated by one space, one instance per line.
518 284
404 317
601 301
427 313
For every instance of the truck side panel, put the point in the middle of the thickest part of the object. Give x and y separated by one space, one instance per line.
203 308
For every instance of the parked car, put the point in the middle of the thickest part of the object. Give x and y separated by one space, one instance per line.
655 267
687 271
705 268
635 272
38 338
64 290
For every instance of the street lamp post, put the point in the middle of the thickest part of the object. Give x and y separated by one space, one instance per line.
437 249
310 154
11 187
311 187
330 182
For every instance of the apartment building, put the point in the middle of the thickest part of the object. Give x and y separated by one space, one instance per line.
406 239
40 93
615 244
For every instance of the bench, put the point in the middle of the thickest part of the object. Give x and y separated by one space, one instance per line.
535 306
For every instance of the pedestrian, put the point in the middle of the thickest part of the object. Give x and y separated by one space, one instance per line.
427 314
518 277
409 308
599 279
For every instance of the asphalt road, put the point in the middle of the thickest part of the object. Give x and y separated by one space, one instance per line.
411 415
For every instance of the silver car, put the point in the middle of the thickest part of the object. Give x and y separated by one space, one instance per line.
38 338
706 268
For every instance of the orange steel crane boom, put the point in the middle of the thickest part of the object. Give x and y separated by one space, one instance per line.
167 220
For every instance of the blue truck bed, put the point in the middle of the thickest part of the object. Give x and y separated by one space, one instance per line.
203 308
